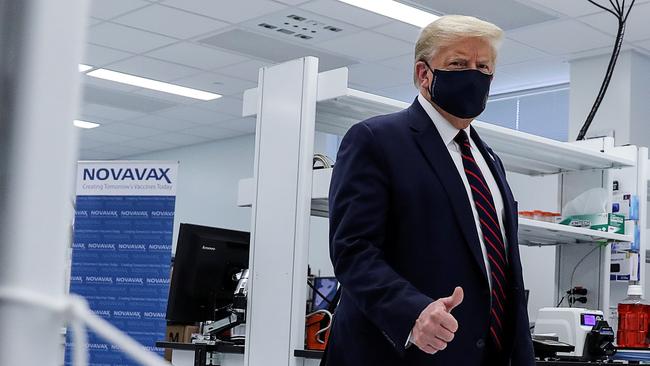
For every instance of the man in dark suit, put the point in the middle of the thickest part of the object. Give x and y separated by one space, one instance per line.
423 224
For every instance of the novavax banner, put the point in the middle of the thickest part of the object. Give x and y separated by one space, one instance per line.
122 249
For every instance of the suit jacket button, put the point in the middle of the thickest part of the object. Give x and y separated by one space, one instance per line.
480 343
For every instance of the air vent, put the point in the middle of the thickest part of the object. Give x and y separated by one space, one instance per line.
300 26
272 49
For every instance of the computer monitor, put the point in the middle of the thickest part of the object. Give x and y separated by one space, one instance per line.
202 281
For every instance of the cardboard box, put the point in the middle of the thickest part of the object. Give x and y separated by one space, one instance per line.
179 334
613 223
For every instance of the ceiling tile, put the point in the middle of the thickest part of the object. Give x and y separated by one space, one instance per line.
512 52
106 9
248 70
246 124
400 30
121 150
570 8
116 114
202 57
94 21
95 119
159 19
376 76
148 145
213 132
153 68
99 56
131 130
216 83
98 135
194 114
561 38
292 2
549 71
228 105
346 13
180 139
637 26
88 143
261 47
95 155
233 13
164 124
403 62
125 38
366 46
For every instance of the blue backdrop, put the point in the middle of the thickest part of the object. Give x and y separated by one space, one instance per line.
121 264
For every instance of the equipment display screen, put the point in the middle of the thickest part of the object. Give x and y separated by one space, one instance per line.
588 319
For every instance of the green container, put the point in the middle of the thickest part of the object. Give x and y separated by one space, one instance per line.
612 223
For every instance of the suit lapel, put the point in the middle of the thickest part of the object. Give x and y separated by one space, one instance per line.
437 155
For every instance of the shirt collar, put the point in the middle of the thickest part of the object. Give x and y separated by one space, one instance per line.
446 130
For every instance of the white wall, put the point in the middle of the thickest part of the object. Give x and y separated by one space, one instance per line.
207 189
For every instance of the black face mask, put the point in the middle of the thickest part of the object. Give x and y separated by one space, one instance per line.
461 93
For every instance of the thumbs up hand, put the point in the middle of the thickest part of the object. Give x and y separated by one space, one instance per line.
435 327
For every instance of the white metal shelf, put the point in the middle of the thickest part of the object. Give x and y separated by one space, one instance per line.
535 233
531 232
339 107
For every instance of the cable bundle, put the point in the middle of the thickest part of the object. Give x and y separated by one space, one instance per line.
621 14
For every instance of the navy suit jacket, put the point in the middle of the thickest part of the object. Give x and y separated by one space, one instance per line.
402 234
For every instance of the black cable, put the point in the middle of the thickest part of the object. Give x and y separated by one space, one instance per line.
616 6
628 10
604 8
319 293
612 63
560 303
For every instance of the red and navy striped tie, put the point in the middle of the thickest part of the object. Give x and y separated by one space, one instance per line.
492 238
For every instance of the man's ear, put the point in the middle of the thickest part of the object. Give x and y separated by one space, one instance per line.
422 74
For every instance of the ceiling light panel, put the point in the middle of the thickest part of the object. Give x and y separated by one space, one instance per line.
300 26
84 68
84 124
334 9
152 84
393 9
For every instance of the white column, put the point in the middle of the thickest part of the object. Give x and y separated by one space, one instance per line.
625 108
281 209
41 44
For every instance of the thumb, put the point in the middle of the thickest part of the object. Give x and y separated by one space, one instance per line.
454 300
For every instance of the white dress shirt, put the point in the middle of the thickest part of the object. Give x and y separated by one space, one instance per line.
448 132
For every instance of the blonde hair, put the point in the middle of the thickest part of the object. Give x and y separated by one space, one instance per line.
450 28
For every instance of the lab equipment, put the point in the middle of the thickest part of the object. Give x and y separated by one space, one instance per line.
570 325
